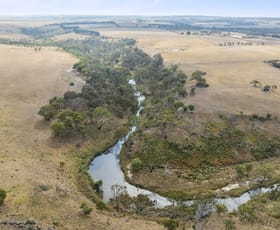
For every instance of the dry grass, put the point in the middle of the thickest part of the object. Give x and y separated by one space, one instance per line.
229 69
30 168
69 36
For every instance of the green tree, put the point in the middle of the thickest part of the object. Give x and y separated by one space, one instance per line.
97 186
73 121
58 128
157 60
99 116
47 111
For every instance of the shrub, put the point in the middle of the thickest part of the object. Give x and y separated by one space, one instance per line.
247 213
230 224
191 108
136 164
192 93
86 209
3 195
170 224
221 208
275 193
100 205
178 104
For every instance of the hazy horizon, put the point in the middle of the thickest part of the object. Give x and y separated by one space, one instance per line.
238 8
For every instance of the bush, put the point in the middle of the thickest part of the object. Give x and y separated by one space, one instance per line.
170 224
100 205
85 208
136 164
3 195
221 208
178 104
191 108
247 213
275 194
230 224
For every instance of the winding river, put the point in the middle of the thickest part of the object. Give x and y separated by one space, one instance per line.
106 167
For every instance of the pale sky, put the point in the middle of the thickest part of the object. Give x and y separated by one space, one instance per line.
246 8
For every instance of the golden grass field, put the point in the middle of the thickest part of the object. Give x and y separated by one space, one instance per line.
30 160
229 69
30 169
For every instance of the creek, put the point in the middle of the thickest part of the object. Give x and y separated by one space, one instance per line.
106 168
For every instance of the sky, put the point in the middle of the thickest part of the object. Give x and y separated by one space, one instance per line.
235 8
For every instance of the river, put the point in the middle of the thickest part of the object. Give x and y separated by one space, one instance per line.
106 167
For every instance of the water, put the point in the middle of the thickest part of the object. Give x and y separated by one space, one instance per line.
106 167
232 203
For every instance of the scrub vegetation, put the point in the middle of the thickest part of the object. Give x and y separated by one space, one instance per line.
178 150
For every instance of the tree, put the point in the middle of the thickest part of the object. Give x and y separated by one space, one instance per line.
58 128
200 81
73 121
118 191
97 186
99 116
47 111
142 204
157 60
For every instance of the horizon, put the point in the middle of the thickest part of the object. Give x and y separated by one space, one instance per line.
203 8
30 16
